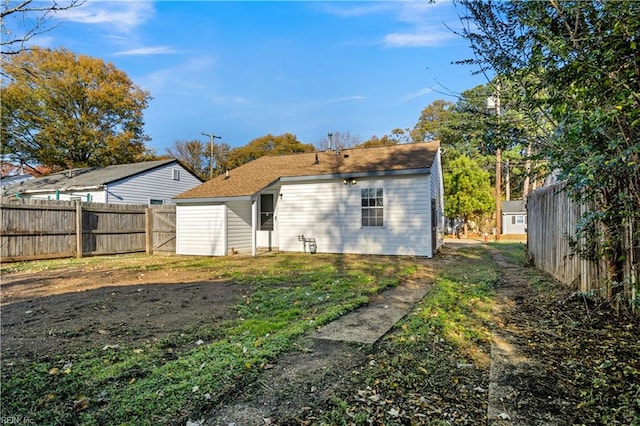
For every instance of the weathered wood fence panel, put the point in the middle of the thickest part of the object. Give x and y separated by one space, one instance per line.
41 229
163 228
552 220
113 229
37 230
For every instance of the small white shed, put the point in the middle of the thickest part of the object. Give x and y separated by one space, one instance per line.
383 200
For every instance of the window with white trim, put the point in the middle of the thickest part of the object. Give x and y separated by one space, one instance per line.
518 219
372 207
155 202
176 174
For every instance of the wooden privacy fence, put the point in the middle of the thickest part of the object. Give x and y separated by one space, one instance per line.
43 229
552 219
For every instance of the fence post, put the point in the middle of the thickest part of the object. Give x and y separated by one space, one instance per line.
148 230
78 229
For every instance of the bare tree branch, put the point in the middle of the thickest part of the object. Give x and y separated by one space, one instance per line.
21 21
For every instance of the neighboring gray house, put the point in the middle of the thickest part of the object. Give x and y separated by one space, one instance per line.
514 217
149 182
384 200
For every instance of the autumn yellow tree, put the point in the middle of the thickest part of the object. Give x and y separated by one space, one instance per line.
64 110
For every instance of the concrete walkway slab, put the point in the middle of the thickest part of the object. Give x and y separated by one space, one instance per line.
369 323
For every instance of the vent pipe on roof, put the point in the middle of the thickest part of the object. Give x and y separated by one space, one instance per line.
317 161
226 174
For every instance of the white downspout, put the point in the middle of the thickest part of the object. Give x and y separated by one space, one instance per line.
254 226
225 227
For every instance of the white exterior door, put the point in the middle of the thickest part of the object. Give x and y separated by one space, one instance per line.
266 234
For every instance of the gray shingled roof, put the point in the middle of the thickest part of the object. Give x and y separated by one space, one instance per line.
90 177
516 206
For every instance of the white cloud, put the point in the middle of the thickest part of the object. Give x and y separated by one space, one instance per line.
354 9
332 101
239 100
421 21
148 50
345 99
189 77
417 94
425 26
120 16
419 38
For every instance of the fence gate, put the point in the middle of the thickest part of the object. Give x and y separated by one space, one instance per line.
163 229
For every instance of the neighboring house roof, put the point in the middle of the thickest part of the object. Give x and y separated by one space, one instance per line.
516 206
10 184
252 177
90 177
10 180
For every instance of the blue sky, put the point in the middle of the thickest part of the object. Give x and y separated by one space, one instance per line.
246 69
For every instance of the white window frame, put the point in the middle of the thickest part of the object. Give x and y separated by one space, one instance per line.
372 201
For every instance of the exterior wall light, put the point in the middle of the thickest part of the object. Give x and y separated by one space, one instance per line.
348 181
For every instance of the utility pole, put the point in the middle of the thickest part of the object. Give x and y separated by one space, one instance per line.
498 167
211 136
498 206
507 181
494 102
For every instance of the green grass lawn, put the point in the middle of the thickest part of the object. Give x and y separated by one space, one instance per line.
292 295
432 368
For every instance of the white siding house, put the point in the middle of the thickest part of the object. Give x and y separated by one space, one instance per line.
514 217
238 227
383 200
150 182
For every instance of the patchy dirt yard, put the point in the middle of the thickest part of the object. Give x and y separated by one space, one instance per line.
63 310
556 358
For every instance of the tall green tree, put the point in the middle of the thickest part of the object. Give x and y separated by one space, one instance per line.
376 141
266 145
434 122
468 127
578 65
64 110
467 190
395 137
